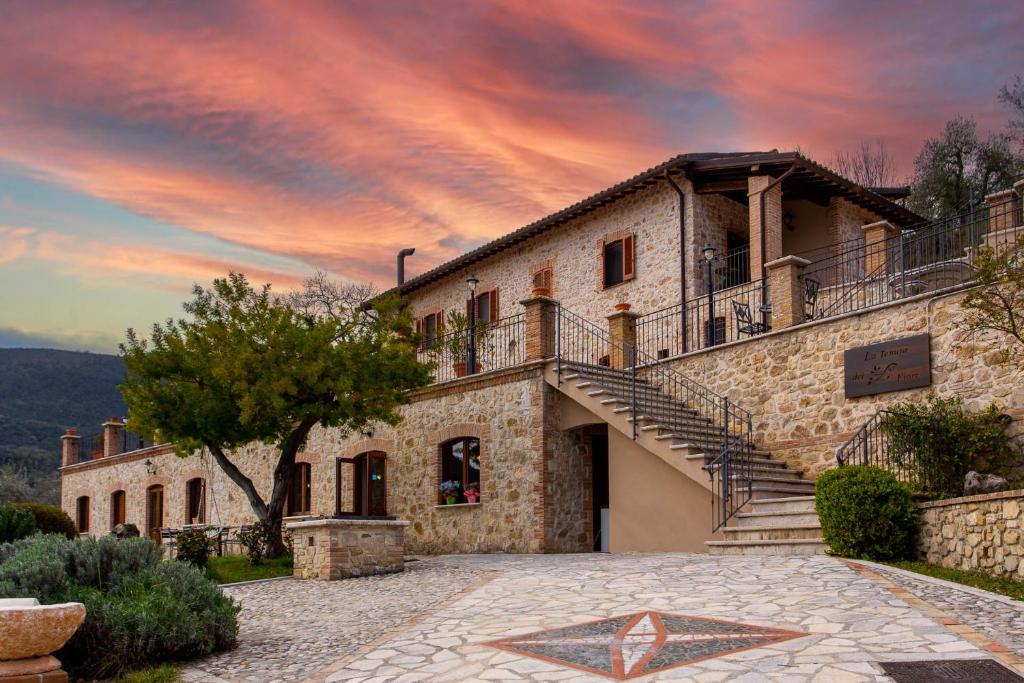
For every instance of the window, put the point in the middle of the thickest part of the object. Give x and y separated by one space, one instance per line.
544 279
117 508
82 514
428 327
486 307
369 488
195 501
154 511
301 492
460 461
617 261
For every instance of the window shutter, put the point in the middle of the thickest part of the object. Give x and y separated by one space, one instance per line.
627 257
419 326
494 305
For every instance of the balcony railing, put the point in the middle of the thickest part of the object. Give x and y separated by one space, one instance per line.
738 312
92 447
498 345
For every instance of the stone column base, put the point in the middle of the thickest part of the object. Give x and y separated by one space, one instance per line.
44 669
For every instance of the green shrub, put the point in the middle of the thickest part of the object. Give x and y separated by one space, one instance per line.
15 523
50 519
255 538
866 513
140 611
939 443
194 546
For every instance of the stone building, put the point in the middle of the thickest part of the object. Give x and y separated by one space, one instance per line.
660 366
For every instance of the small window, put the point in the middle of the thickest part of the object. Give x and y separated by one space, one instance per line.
300 495
82 514
195 501
486 307
617 262
460 462
117 508
544 279
427 327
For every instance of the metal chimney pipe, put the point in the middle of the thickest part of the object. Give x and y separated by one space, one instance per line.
408 251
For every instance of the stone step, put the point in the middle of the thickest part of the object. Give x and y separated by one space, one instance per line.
798 546
762 491
773 533
799 503
758 463
758 519
785 477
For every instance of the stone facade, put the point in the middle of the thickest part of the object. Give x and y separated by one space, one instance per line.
975 532
332 549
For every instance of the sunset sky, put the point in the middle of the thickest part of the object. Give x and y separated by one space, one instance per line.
147 146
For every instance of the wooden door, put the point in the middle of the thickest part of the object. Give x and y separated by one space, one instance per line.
154 511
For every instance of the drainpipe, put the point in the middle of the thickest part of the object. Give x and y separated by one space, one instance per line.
400 266
682 253
764 244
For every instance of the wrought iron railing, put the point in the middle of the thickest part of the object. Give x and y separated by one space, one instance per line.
93 446
499 345
929 257
738 312
655 390
871 445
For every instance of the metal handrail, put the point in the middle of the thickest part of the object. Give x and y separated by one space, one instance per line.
870 445
658 390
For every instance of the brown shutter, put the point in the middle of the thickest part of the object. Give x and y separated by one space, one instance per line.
494 305
419 326
627 258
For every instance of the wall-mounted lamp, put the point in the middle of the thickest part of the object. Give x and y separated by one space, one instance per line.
150 466
789 221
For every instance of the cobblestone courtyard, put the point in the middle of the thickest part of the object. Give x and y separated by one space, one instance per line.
672 617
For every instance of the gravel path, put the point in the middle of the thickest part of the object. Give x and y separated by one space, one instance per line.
1001 619
292 629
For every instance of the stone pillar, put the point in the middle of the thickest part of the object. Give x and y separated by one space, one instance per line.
70 447
113 437
1001 210
541 313
772 228
622 333
1018 187
786 291
876 248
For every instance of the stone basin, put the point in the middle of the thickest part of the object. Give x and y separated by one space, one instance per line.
28 629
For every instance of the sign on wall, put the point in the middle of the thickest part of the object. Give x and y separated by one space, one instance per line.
888 366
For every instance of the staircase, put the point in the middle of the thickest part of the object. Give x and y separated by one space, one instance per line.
779 518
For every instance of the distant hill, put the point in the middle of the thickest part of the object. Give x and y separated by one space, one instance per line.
44 391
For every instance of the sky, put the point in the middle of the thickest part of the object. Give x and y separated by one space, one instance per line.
147 146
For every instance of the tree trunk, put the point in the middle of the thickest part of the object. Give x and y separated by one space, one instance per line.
269 515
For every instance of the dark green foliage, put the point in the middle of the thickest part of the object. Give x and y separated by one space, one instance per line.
245 367
193 545
44 391
865 513
50 519
939 443
140 610
993 311
15 523
254 537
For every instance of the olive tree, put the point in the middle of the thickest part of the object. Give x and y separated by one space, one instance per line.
244 367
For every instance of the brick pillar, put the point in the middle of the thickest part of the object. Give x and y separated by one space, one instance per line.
622 332
70 447
772 228
1018 187
876 250
786 291
1000 210
113 436
541 312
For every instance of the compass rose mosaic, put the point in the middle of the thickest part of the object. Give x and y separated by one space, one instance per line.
642 643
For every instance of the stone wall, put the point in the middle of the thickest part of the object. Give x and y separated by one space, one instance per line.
974 532
332 549
791 380
501 409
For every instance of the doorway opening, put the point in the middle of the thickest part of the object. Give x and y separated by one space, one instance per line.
599 493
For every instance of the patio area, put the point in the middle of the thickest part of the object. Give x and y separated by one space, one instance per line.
677 617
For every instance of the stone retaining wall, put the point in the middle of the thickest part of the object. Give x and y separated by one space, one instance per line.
974 532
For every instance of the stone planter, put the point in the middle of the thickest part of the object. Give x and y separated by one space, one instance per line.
333 548
29 632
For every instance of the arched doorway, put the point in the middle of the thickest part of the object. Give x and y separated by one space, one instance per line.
369 484
154 511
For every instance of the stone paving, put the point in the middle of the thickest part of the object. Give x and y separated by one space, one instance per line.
291 629
998 617
802 620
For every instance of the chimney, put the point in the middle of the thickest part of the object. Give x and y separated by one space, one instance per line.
400 265
70 445
113 437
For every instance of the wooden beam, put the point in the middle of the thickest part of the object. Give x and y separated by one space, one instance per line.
720 186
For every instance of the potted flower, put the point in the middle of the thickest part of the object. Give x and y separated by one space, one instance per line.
450 492
472 492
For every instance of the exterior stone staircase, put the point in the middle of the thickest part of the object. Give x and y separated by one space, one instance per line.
780 519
